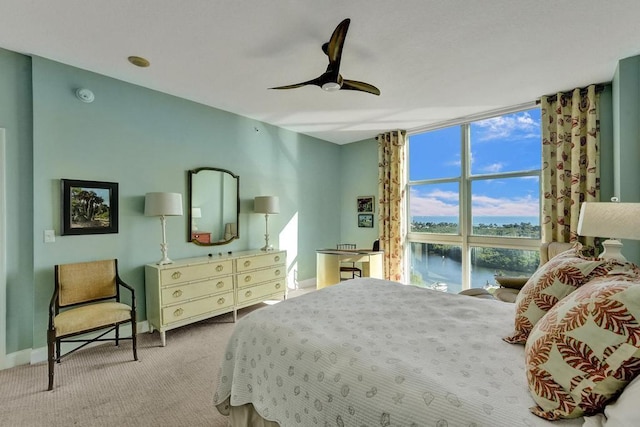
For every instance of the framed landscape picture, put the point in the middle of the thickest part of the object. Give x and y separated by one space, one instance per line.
365 220
365 204
88 207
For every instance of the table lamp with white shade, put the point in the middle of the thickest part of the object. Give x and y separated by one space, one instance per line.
267 205
613 221
163 205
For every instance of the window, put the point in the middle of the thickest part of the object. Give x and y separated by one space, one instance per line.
474 201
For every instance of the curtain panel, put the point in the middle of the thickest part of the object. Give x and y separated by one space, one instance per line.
392 201
570 161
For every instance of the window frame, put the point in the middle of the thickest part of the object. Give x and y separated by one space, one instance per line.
465 238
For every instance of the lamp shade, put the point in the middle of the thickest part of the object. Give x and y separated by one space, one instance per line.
163 204
610 220
196 213
266 204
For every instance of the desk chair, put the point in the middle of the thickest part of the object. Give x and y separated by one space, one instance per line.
89 294
348 267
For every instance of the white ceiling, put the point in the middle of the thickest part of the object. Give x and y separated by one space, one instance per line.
433 60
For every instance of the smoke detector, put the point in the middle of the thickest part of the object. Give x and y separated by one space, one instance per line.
85 95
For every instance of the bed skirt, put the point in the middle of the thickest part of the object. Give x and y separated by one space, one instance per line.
244 415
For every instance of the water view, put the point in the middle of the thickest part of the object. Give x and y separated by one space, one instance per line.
439 267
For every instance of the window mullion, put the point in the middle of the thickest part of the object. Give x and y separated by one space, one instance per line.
465 203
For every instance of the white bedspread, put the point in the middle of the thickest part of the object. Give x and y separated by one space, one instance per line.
369 352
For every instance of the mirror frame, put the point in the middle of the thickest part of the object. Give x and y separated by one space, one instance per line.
189 222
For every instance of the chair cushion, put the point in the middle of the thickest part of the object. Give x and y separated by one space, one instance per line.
553 281
585 350
90 316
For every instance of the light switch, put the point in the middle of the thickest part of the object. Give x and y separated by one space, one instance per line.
49 236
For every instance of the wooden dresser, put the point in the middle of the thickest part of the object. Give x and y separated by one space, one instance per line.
193 289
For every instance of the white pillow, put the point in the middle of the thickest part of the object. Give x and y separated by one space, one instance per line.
624 412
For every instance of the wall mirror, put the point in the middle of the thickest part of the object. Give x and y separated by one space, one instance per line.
214 206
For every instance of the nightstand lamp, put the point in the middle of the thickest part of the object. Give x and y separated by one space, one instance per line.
266 205
163 205
612 220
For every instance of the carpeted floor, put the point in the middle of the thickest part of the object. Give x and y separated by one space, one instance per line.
104 386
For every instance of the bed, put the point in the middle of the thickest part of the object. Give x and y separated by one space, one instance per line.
378 353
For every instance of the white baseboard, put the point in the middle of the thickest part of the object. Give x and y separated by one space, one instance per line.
38 355
309 283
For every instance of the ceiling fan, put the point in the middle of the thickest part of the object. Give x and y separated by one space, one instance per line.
331 80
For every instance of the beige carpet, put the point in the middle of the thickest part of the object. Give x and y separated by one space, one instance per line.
104 386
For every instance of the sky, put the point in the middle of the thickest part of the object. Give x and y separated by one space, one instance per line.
503 144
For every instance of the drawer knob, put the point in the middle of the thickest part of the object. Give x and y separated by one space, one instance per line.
220 284
277 285
221 300
277 272
177 293
277 258
176 275
247 294
247 279
219 268
247 263
178 312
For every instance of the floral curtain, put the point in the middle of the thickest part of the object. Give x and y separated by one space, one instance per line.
571 161
391 201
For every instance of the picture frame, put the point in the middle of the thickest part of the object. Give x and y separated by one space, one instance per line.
365 220
365 204
88 207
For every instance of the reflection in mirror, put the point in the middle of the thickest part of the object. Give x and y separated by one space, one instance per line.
214 200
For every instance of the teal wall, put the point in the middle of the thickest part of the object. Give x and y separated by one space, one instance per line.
145 141
359 164
626 139
15 117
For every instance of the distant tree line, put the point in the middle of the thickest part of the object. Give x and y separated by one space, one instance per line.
498 259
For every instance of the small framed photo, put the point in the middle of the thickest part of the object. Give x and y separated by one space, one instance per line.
88 207
365 204
365 220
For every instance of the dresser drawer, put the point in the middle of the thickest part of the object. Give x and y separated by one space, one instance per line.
186 310
257 292
188 273
260 261
187 291
255 277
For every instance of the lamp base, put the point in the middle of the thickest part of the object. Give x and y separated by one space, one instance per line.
164 261
612 250
267 248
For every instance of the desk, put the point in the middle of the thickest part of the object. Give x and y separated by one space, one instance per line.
328 264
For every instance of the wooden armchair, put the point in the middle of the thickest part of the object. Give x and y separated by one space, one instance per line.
86 299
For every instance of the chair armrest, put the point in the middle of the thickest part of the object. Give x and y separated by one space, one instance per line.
52 307
120 282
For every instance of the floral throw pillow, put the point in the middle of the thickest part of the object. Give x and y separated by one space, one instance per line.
553 281
585 350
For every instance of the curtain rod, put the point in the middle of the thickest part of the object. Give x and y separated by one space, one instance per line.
583 91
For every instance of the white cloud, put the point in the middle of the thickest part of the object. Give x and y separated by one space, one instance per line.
506 126
438 203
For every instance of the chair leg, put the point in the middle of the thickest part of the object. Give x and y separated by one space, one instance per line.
134 335
51 356
117 335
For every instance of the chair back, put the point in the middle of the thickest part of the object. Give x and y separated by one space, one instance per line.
86 281
346 246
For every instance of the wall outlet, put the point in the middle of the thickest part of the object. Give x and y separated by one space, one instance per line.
49 236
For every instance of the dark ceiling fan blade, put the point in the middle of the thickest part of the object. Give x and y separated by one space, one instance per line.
333 48
361 86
